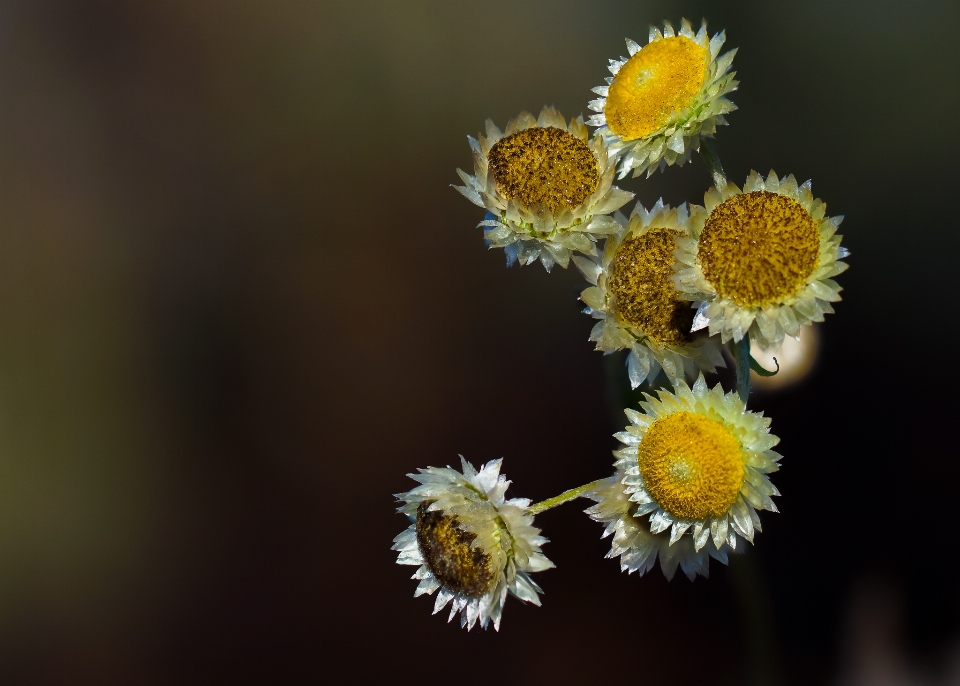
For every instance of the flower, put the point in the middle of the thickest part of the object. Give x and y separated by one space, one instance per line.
664 97
697 461
637 547
469 542
637 303
761 260
546 187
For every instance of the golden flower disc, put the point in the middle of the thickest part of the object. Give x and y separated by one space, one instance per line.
645 297
691 465
758 248
544 164
448 554
659 81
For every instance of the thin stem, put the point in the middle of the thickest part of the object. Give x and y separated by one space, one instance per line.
741 355
710 158
564 497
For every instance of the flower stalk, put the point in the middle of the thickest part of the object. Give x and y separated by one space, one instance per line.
741 356
709 154
564 497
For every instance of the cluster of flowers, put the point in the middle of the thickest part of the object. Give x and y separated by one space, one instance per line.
673 286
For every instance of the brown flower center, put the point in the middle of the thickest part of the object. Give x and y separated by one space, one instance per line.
645 297
448 554
544 164
758 248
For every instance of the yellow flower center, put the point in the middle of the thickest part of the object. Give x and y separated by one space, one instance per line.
544 164
645 297
691 465
448 554
658 82
758 248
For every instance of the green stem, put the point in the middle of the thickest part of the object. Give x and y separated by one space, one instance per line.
709 154
741 356
564 497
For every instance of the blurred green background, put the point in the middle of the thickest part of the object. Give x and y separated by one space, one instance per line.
239 301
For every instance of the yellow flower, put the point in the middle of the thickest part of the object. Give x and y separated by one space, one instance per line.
697 461
637 303
664 98
547 187
761 260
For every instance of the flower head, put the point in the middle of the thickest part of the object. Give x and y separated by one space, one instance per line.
469 542
546 186
761 260
637 303
663 98
637 547
697 461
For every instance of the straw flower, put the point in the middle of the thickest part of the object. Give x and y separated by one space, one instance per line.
637 304
470 543
547 188
697 461
761 260
664 97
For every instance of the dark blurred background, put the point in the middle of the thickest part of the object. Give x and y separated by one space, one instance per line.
239 301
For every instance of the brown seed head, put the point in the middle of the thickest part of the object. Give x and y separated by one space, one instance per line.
758 248
544 164
645 296
448 554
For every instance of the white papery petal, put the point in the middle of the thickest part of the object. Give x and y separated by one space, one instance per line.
443 597
633 542
427 586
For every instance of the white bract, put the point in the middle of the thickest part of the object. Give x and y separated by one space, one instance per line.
639 549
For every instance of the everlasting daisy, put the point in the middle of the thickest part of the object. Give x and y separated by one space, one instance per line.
469 542
637 303
637 547
546 186
761 260
664 98
696 462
